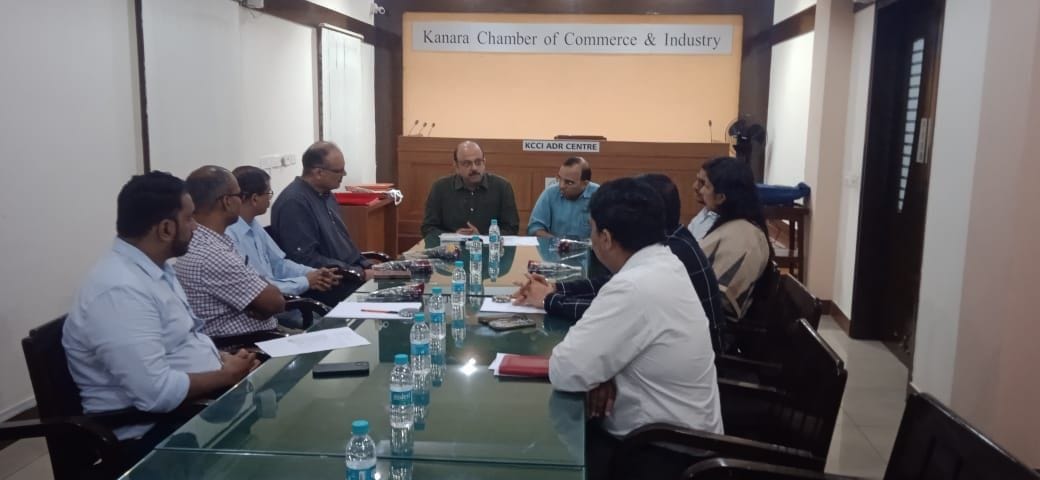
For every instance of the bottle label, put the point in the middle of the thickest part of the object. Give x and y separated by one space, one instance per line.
420 349
401 398
458 287
362 474
436 317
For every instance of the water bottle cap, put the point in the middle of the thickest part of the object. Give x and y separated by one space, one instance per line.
437 290
401 359
419 317
359 427
458 263
494 221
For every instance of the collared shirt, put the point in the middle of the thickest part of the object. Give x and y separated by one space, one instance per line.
220 285
647 331
451 205
702 222
131 338
572 298
560 216
309 228
261 253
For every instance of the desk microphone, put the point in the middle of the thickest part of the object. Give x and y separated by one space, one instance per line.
413 127
711 137
420 129
434 124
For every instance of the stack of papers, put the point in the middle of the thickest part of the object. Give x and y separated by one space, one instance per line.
374 310
321 340
490 305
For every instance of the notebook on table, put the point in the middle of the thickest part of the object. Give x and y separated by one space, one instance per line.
524 366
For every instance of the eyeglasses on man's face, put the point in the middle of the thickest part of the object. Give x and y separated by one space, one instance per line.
471 163
337 171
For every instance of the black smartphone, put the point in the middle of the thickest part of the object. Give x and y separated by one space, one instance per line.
349 369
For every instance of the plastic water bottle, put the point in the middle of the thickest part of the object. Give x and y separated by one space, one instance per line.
361 453
476 261
438 362
402 406
494 240
458 285
436 310
420 338
422 400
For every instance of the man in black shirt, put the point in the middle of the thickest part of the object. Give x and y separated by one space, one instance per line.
467 201
305 220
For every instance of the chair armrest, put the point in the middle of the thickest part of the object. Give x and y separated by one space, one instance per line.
372 255
305 304
348 274
247 339
751 389
59 426
710 445
728 468
741 363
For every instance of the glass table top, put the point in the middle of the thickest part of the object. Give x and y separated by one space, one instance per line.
470 415
180 465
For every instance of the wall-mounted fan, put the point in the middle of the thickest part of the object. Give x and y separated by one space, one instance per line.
744 134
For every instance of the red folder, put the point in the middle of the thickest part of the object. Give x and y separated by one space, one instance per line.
525 366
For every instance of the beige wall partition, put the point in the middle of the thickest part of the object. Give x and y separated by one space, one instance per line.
646 98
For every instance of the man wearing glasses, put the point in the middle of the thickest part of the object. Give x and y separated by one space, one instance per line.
562 210
229 296
466 202
305 221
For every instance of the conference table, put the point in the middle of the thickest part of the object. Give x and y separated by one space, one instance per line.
281 422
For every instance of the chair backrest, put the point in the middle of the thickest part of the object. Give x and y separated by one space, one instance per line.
270 232
57 396
794 301
933 442
764 296
813 379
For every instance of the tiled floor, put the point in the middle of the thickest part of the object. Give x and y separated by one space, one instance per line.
862 441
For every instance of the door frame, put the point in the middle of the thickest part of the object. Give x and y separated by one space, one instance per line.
884 130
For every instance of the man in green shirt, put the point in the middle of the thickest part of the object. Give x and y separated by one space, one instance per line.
466 202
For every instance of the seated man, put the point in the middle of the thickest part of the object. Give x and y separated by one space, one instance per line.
570 299
260 250
305 221
467 201
130 337
228 295
562 210
644 338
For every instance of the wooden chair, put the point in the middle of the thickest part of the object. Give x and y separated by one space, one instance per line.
790 424
932 443
80 445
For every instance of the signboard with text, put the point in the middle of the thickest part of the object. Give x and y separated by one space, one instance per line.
564 146
606 38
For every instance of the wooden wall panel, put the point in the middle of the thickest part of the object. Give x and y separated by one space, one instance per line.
425 159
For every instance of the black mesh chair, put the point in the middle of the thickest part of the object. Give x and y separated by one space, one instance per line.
932 443
788 424
81 445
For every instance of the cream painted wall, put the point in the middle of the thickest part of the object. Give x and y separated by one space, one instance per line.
852 162
70 135
789 82
668 98
783 9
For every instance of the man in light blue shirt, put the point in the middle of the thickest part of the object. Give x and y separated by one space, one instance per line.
131 338
562 210
260 250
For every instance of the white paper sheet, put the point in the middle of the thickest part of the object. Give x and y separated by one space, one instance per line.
490 305
513 241
313 342
454 237
354 310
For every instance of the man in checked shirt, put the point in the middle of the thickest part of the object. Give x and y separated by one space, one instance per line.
223 290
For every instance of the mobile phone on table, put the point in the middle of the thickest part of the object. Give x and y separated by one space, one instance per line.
512 323
347 369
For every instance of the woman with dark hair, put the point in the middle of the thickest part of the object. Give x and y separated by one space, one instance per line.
737 244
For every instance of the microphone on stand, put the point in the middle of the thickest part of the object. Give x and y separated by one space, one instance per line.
434 124
413 127
420 129
711 136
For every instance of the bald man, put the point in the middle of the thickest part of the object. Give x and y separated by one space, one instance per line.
467 201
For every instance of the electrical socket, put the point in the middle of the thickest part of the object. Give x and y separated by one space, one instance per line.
288 159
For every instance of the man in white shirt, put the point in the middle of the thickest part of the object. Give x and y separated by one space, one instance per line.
644 340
